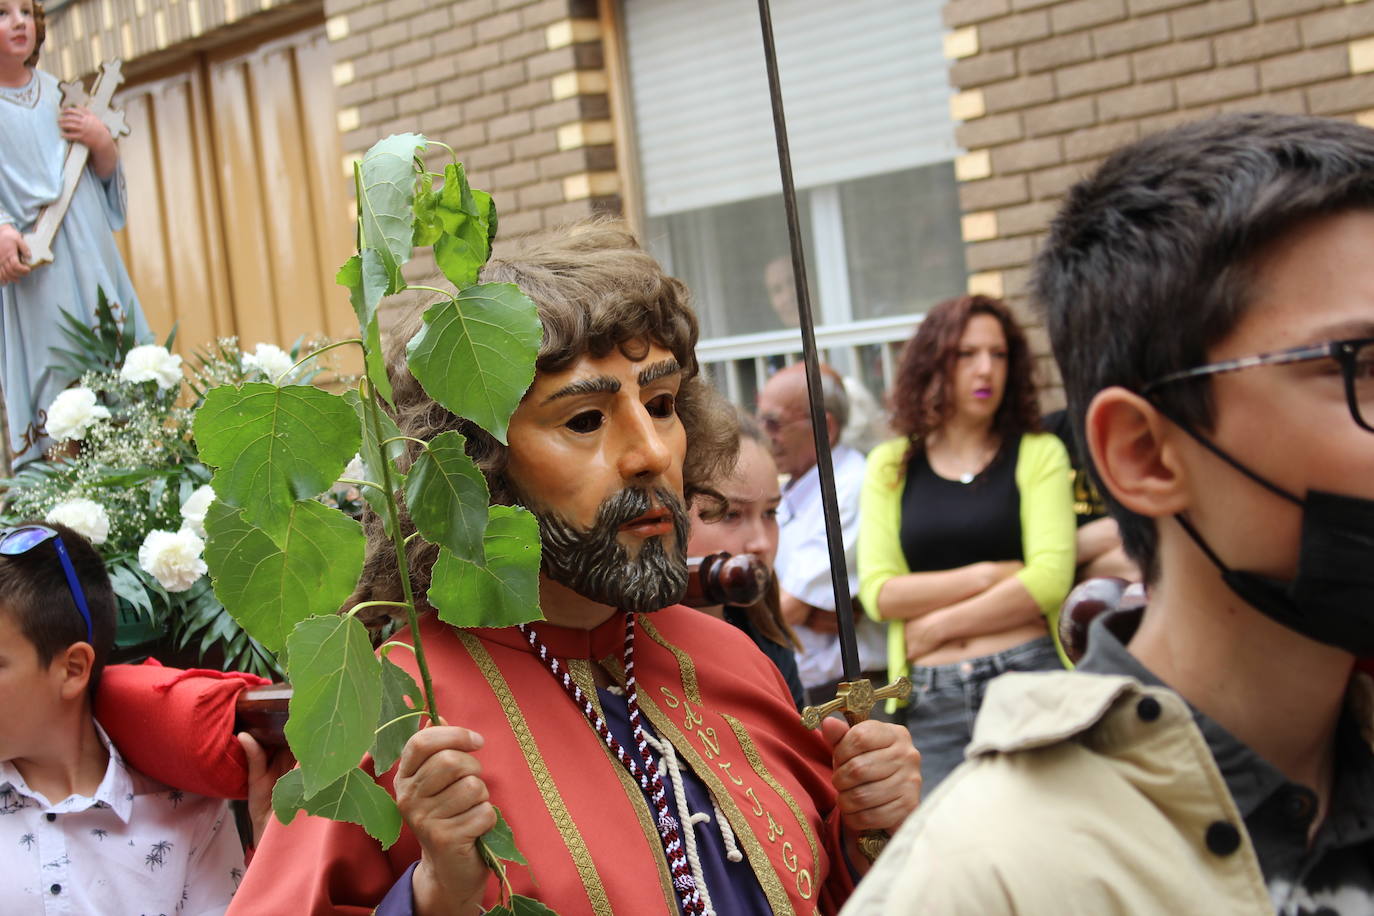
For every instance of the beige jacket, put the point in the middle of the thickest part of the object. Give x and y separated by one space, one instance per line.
1083 794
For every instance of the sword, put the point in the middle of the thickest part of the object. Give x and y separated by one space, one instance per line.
855 695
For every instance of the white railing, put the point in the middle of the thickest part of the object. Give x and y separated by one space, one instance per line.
866 350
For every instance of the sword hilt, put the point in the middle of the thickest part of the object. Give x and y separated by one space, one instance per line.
856 700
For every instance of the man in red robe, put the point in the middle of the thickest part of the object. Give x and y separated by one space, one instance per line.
648 758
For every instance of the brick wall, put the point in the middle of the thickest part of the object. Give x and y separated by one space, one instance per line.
1044 90
517 87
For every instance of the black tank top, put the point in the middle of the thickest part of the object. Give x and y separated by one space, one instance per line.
946 524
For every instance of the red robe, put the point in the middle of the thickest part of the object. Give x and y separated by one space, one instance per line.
582 824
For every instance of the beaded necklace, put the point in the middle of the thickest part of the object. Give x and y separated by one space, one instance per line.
645 771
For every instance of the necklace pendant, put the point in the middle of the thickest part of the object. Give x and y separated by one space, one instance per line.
967 477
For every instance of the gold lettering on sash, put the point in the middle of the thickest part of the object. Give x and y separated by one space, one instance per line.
668 698
789 856
774 829
710 742
758 806
690 717
725 765
804 884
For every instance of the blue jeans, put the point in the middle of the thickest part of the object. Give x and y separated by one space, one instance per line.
945 700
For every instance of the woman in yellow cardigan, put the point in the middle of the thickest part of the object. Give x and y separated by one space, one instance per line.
966 539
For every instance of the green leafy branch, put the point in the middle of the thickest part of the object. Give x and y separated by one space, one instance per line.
282 563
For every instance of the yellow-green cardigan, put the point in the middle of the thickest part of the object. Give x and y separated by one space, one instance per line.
1047 530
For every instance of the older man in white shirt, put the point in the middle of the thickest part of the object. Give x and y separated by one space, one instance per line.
803 563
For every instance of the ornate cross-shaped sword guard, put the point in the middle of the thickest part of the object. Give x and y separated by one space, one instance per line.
856 700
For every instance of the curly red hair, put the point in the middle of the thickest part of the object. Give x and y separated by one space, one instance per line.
921 398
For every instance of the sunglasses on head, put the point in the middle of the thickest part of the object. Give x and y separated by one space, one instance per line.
16 541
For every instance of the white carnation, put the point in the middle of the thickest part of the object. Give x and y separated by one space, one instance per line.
173 558
84 516
72 412
272 361
196 505
152 364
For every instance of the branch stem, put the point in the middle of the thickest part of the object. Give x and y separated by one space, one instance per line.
373 410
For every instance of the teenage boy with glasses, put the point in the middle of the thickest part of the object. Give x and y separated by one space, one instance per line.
1210 299
80 831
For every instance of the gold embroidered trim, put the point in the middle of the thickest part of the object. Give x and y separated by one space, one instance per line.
769 880
684 661
548 789
581 671
751 753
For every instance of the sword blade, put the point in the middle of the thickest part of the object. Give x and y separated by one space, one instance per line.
839 574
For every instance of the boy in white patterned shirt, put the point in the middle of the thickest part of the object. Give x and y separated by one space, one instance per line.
80 830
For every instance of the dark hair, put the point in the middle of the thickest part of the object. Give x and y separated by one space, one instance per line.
37 597
1151 259
597 291
921 396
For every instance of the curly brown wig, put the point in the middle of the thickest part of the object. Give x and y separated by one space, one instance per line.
921 397
596 290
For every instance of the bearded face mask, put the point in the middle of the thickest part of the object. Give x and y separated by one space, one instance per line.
596 565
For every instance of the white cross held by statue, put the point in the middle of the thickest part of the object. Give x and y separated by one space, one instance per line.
73 94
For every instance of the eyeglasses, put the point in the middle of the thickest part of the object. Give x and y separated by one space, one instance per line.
1355 357
772 423
16 541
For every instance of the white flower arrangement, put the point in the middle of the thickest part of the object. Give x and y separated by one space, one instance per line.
173 558
272 361
150 363
73 412
133 484
84 516
194 508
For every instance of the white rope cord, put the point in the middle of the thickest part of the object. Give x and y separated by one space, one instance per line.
667 756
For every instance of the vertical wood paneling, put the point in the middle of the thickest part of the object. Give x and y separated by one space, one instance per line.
238 214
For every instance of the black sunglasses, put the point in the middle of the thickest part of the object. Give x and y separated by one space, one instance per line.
15 541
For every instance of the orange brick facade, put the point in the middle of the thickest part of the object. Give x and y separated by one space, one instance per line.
1044 90
517 87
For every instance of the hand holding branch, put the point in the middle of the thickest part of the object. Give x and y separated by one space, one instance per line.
443 799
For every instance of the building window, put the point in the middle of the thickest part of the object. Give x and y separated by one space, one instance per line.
866 92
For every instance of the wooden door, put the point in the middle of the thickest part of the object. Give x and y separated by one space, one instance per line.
239 212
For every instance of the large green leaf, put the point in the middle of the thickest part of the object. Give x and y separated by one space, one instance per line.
448 498
271 582
501 592
475 354
336 697
393 731
499 841
365 278
386 186
375 361
354 797
522 906
464 245
274 445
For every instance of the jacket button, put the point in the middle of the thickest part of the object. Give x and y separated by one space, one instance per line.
1222 838
55 889
1148 709
50 816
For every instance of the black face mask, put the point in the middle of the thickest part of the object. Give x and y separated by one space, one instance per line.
1331 599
